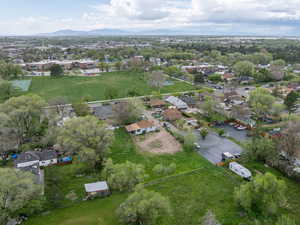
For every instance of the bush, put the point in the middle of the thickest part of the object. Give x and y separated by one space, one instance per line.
204 133
125 176
160 169
221 132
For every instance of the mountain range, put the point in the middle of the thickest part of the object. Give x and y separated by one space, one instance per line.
113 32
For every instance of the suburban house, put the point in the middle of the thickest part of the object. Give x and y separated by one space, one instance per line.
157 103
97 189
142 127
228 77
172 114
44 158
178 103
91 72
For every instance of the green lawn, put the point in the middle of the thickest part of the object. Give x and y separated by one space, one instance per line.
74 88
190 194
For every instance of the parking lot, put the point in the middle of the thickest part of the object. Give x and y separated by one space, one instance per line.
213 145
239 135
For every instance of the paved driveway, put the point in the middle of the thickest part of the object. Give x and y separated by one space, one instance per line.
212 147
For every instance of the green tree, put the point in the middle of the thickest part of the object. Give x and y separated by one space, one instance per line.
16 190
263 75
262 149
125 176
56 70
189 140
204 132
264 194
86 136
24 116
277 109
290 100
156 79
262 58
173 71
215 78
285 220
199 78
143 207
244 68
7 90
81 108
127 112
9 71
278 62
261 102
118 65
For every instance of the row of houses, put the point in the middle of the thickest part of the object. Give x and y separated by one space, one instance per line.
33 161
205 68
67 65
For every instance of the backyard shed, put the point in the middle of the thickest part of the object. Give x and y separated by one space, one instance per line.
97 189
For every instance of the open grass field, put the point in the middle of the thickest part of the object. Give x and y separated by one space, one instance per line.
74 88
190 194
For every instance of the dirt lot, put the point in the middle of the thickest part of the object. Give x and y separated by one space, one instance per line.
158 142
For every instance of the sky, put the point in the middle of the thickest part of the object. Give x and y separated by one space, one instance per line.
203 17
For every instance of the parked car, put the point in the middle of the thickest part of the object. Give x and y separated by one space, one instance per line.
237 155
241 128
167 125
197 146
227 156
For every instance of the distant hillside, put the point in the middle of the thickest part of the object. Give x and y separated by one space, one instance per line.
114 32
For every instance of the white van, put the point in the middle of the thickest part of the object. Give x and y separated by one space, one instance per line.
240 170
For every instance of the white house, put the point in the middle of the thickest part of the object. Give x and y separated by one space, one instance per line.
30 158
178 103
142 127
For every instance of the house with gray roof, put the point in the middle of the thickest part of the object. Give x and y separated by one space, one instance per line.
43 158
178 103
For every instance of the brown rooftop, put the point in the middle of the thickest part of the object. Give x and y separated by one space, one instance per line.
172 114
157 103
139 125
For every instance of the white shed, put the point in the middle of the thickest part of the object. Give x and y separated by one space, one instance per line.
97 189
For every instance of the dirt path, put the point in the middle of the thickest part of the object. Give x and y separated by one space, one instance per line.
158 142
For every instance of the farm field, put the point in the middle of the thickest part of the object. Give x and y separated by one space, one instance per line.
124 84
191 194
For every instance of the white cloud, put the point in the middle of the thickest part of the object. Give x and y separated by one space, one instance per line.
207 16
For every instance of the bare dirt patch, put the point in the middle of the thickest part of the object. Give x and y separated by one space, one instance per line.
159 143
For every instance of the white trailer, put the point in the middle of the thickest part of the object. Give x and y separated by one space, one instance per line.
240 170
